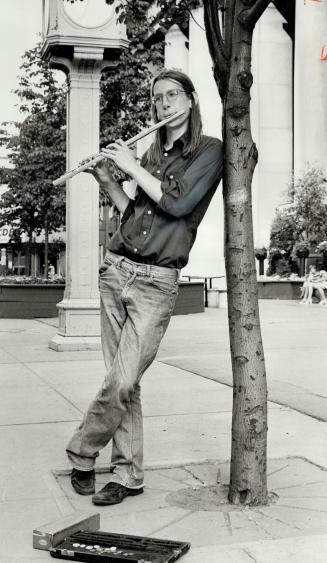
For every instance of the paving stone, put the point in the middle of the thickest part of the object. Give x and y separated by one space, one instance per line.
303 472
17 487
194 395
276 527
5 359
196 438
311 549
303 520
210 473
200 528
45 405
74 372
144 523
34 447
175 474
17 521
214 554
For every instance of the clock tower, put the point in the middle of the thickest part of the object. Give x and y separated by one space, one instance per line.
81 38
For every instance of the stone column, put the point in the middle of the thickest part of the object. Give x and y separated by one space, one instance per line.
79 325
271 119
310 85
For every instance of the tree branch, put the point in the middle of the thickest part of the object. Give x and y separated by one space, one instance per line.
216 44
213 31
229 26
248 18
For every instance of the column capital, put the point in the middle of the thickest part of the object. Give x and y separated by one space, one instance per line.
84 61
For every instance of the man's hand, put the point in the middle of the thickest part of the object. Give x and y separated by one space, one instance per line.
121 155
101 171
110 189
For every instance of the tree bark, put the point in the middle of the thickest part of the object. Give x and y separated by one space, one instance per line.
248 481
28 255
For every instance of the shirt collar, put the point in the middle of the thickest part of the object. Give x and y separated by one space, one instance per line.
180 142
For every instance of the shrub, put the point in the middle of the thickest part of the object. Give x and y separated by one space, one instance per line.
301 249
283 268
30 280
322 247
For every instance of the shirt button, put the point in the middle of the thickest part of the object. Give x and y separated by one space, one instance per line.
149 212
135 249
144 232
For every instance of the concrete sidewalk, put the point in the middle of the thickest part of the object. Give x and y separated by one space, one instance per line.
187 439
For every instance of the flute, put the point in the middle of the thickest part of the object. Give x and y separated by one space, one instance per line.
97 158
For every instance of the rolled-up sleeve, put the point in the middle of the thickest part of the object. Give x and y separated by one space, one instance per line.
181 195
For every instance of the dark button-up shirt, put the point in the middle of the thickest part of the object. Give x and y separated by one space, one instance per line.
163 233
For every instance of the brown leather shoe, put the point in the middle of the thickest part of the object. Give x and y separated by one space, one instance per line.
113 493
83 482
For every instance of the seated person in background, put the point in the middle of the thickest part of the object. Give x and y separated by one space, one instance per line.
314 280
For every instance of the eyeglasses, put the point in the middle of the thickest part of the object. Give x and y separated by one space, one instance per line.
171 96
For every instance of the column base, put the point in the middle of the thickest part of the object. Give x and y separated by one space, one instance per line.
79 326
61 343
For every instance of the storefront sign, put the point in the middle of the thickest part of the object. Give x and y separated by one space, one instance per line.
5 233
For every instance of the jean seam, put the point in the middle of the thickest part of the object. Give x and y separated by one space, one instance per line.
131 443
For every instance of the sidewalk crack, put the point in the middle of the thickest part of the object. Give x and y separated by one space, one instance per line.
279 520
250 555
228 523
157 530
194 476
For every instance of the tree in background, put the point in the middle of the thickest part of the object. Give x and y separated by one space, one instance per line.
282 240
309 193
302 225
37 153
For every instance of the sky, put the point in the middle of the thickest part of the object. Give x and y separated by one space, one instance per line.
21 21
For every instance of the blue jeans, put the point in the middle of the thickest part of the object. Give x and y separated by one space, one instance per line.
137 301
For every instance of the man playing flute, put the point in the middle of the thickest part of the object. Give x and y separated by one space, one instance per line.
176 181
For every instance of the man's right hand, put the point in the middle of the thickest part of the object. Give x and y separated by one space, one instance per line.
101 171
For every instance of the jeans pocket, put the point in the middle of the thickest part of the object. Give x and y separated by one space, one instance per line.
105 266
168 286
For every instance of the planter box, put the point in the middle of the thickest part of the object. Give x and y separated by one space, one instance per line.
190 298
29 301
281 289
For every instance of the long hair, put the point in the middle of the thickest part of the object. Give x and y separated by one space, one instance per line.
194 130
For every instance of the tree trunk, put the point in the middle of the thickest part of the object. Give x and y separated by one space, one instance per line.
248 480
46 247
28 255
302 266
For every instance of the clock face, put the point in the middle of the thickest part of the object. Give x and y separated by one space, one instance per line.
88 13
